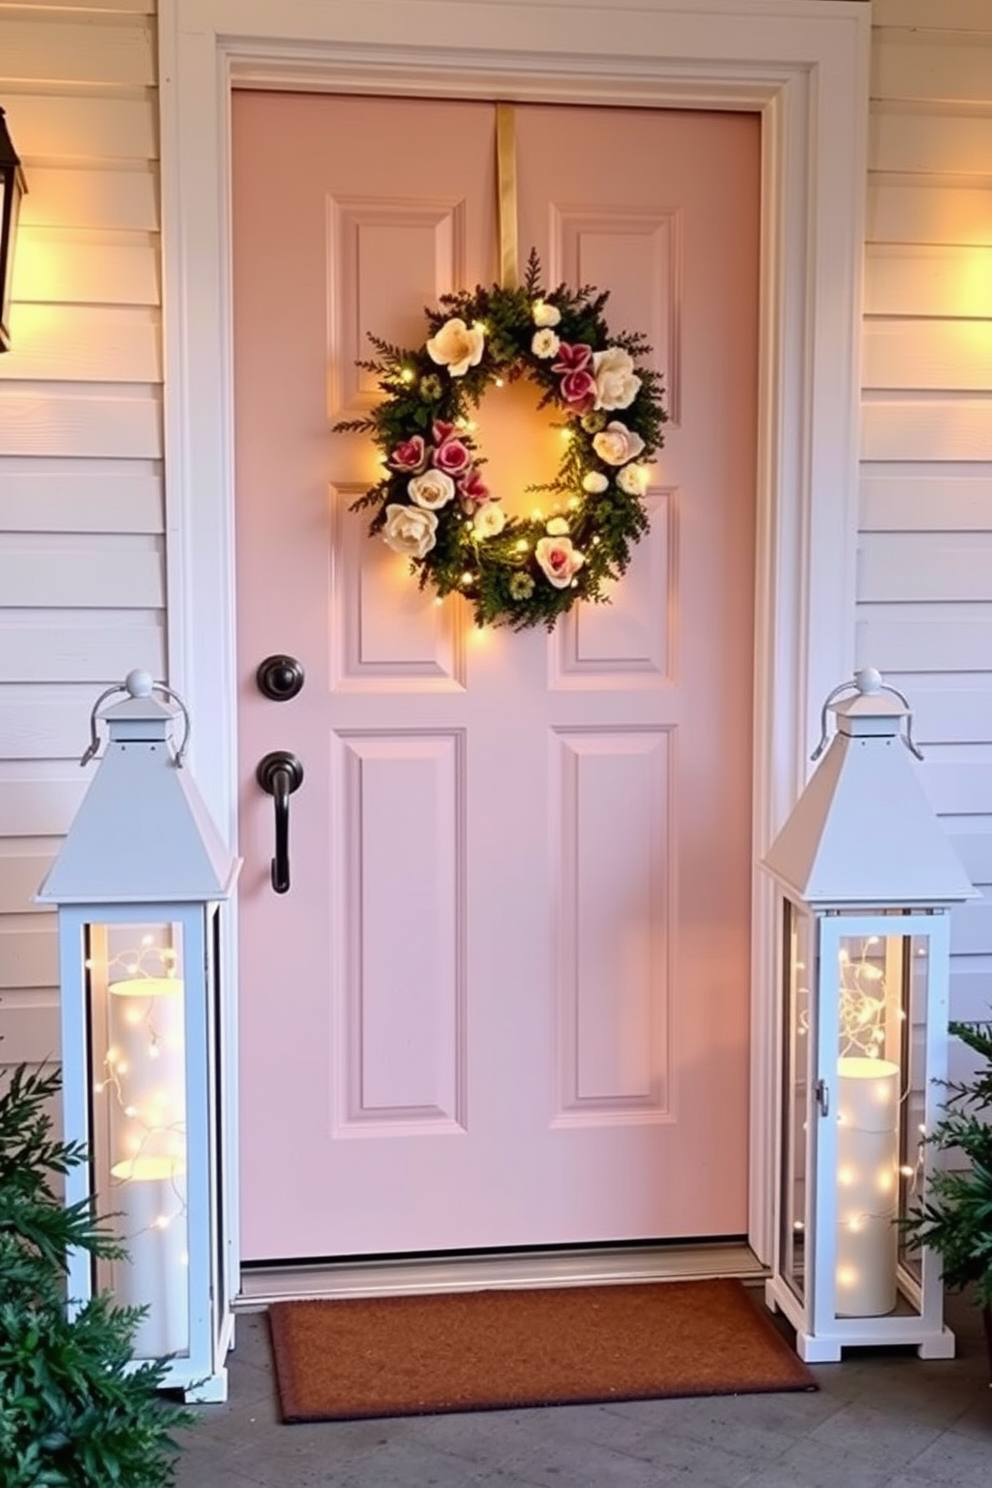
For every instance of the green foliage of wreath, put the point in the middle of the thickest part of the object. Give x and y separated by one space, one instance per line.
432 503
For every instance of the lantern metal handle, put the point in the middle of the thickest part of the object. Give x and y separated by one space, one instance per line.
867 682
94 744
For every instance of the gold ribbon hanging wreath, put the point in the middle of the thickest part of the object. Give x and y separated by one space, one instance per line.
433 504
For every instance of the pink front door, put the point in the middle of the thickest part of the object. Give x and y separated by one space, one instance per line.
505 1001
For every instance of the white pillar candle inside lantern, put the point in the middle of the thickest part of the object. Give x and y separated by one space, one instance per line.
867 1136
867 1163
145 1082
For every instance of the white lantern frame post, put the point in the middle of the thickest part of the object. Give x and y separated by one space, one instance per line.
140 886
862 866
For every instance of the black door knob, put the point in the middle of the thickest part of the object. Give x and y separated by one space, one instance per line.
279 678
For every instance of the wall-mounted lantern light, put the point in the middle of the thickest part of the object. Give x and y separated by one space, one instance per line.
140 883
12 188
866 879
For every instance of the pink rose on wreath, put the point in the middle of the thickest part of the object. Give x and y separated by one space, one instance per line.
578 390
559 560
578 385
452 456
572 358
410 455
472 489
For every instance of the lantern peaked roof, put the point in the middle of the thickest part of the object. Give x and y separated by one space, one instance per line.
143 832
863 832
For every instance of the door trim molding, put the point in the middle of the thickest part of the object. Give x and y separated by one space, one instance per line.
801 64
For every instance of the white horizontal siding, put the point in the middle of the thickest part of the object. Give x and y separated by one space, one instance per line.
950 15
79 127
81 421
923 645
949 706
925 559
83 266
916 279
84 647
124 199
85 343
24 862
55 495
946 355
923 429
82 573
38 807
29 958
900 499
970 996
902 139
97 48
34 728
920 566
932 65
901 210
30 1026
81 501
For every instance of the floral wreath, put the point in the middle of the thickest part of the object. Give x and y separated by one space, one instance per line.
433 504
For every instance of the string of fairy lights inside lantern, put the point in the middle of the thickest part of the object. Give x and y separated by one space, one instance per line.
149 961
862 1008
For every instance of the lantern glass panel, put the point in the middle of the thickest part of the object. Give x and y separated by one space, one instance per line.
138 1051
912 1127
881 1054
798 952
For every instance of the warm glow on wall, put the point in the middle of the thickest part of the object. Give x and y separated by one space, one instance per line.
973 285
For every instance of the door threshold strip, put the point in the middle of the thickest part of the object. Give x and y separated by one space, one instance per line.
410 1276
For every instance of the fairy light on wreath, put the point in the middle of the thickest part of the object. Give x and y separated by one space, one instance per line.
433 505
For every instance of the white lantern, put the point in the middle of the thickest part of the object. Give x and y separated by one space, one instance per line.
139 885
866 879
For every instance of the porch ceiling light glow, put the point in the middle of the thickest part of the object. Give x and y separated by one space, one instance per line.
866 880
12 188
140 885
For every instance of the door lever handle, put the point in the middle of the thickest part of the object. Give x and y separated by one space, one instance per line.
280 774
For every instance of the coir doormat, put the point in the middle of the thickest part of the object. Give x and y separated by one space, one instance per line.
492 1350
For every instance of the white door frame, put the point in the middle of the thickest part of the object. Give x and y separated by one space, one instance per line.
803 65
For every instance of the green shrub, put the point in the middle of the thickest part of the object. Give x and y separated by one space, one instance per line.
955 1216
75 1412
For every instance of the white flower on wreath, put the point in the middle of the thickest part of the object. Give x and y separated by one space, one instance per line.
489 520
410 530
545 344
633 479
457 346
432 490
544 314
616 444
556 527
616 382
595 483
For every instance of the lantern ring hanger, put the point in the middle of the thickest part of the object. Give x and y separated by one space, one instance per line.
137 684
867 681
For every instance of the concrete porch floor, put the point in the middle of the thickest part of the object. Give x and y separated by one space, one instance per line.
881 1419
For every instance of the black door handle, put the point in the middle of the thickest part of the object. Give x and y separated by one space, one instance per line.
280 774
